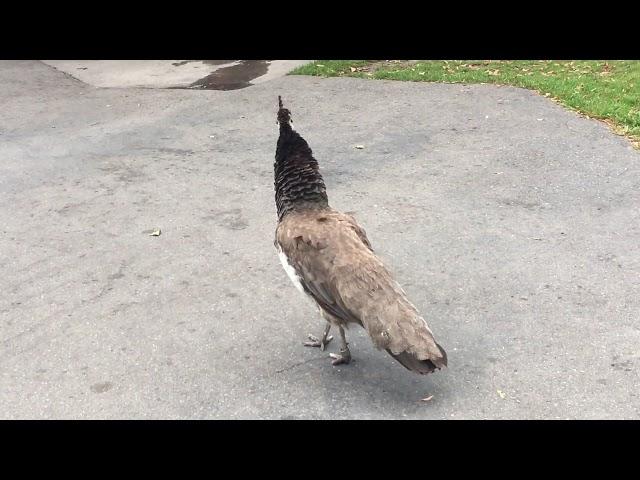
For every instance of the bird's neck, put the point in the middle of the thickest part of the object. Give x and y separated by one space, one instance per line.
298 182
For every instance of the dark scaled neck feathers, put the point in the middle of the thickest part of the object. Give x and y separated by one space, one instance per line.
298 182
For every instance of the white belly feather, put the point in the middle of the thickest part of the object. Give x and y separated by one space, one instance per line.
293 275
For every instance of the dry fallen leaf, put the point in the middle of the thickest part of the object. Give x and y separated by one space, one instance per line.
155 233
353 69
427 399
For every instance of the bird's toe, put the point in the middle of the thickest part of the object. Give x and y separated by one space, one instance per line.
316 342
313 341
341 358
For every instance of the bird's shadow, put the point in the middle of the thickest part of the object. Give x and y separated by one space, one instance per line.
373 385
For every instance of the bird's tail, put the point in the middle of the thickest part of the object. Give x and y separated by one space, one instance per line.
284 115
411 362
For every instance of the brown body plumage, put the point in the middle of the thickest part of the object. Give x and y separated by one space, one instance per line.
329 257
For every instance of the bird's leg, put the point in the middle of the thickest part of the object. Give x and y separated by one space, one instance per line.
345 354
315 342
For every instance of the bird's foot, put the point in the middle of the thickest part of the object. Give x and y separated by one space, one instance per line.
316 342
343 358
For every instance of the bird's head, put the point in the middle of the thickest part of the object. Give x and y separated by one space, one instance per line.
284 115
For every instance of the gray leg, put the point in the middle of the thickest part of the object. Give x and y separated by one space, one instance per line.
345 354
315 342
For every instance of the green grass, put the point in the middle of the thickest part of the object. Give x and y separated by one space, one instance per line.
607 90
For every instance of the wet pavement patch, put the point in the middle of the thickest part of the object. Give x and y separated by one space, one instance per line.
233 77
208 62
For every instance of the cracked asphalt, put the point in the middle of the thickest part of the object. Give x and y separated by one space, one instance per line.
511 222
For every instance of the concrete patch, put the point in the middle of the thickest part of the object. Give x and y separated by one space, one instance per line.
208 74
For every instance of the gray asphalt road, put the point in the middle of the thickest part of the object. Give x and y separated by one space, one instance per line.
511 222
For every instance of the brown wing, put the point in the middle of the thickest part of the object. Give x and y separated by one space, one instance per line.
362 235
309 242
338 268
